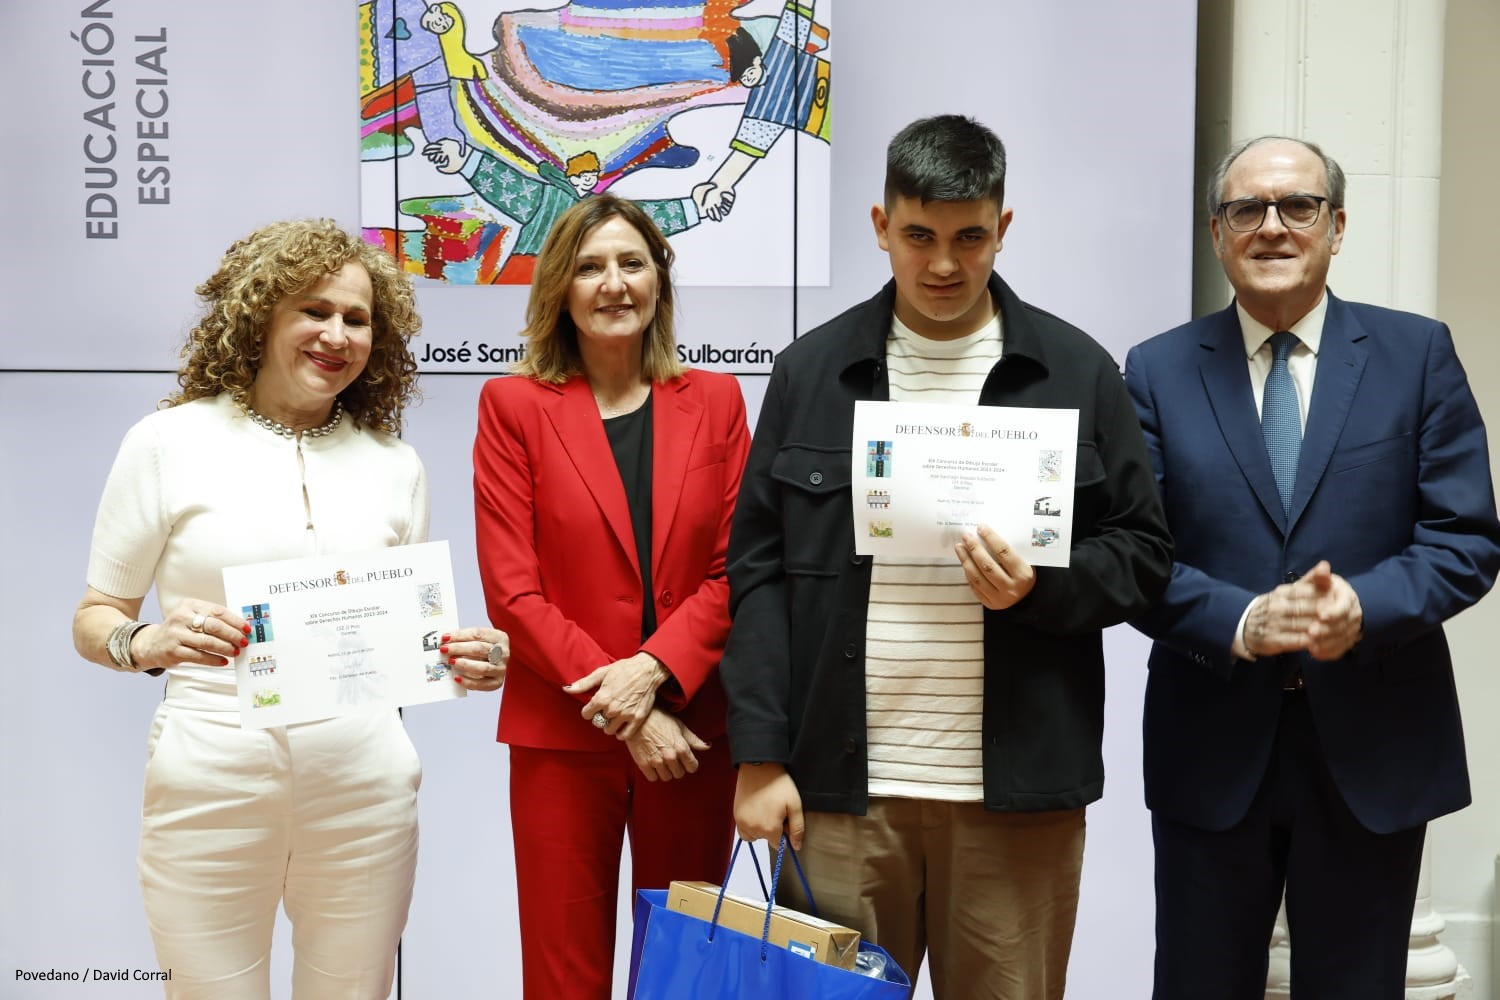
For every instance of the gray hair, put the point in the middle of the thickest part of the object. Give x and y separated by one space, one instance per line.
945 158
1334 172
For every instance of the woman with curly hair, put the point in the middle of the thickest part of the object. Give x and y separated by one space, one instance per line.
279 444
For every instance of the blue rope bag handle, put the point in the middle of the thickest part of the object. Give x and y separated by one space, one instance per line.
781 852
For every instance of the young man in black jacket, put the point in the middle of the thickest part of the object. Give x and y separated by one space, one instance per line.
928 730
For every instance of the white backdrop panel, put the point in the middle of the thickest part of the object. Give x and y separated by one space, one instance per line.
73 742
1093 98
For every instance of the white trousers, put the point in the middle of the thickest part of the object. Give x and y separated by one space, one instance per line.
320 817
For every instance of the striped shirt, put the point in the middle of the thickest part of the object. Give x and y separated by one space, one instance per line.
924 659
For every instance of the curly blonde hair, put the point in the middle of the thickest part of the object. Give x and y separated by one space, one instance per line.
552 339
223 350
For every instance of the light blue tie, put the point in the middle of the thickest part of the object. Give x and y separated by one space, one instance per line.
1281 419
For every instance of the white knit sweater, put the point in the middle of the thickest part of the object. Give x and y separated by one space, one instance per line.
200 486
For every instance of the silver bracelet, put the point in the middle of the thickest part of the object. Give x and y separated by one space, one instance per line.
118 644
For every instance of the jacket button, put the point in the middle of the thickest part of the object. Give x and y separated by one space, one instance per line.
856 559
851 745
1289 578
851 651
816 478
666 598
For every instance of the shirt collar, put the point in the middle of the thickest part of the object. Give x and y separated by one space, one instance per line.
955 348
871 321
1309 329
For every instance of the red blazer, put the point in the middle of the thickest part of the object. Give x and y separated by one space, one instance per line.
558 559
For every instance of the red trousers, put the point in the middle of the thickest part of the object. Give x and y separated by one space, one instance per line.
569 811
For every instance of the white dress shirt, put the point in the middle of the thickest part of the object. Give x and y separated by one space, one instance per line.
1302 364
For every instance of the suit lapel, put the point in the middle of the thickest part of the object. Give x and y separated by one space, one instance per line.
674 431
575 418
1341 364
1226 379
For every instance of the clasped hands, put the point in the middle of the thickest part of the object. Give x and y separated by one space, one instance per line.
713 201
625 698
1319 613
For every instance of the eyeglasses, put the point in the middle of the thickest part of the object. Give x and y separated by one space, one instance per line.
1296 211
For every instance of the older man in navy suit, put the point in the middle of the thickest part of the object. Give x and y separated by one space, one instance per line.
1325 475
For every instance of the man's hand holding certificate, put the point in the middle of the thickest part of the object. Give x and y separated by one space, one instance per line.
927 475
997 575
331 635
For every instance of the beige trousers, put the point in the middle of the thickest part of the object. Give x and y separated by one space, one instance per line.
991 897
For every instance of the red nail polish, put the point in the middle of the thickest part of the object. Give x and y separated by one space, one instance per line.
244 643
452 661
447 637
246 627
458 680
443 650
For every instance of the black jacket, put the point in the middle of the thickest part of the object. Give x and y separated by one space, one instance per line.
794 666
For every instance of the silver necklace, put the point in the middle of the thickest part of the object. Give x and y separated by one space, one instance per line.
277 427
609 410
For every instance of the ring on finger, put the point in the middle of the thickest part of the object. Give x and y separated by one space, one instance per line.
197 623
599 720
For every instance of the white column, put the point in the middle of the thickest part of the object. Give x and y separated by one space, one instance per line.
1432 970
1363 79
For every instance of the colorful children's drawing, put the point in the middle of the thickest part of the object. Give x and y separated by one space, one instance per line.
259 618
484 144
1049 465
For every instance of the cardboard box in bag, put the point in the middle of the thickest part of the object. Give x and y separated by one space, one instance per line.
797 932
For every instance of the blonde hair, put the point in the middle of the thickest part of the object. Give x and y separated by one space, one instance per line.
223 350
583 163
552 339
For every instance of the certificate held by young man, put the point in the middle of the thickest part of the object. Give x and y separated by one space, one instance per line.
926 474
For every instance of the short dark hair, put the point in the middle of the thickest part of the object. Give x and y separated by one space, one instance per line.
945 158
1215 188
742 53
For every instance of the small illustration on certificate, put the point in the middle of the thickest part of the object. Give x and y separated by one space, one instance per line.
332 635
1009 467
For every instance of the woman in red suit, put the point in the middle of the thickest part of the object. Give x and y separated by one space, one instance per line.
604 482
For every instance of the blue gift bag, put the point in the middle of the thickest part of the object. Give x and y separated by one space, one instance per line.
674 956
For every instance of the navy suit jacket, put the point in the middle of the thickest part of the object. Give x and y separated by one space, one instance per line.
1393 488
